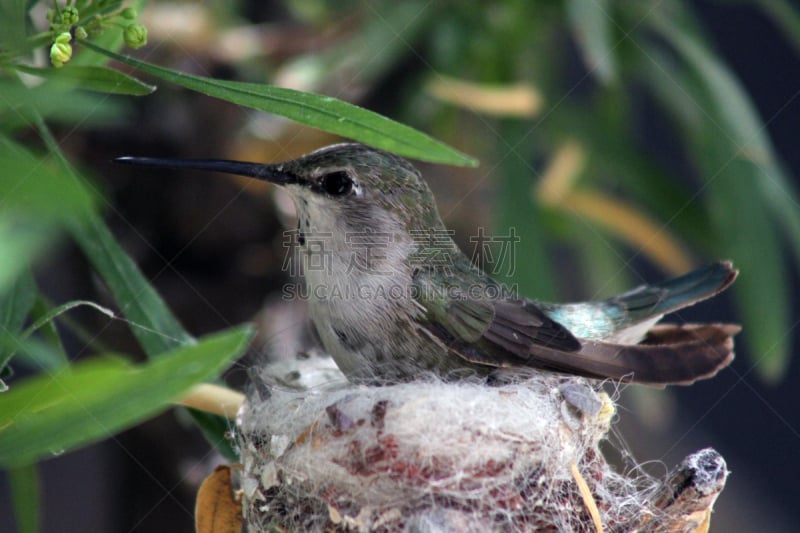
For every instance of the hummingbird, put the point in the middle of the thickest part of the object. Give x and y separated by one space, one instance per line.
393 298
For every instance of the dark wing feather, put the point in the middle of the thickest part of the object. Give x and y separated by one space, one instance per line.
520 326
482 329
515 332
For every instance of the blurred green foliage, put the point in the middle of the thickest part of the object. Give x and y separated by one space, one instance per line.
43 197
739 202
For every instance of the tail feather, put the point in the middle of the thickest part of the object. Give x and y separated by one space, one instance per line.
662 298
669 355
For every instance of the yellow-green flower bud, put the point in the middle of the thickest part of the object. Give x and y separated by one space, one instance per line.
63 38
94 26
69 16
61 50
129 13
80 33
135 35
62 20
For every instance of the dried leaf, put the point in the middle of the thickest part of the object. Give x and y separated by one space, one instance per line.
217 509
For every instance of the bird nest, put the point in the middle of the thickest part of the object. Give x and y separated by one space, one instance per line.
320 454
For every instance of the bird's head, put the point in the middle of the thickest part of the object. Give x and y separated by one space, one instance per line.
340 187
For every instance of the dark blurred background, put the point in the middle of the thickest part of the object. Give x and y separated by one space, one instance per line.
214 247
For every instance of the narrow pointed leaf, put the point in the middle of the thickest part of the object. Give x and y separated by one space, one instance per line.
56 102
323 112
32 186
35 198
751 239
49 331
92 78
22 241
153 324
13 22
740 170
93 400
25 495
786 16
44 319
15 304
592 25
738 121
354 58
523 266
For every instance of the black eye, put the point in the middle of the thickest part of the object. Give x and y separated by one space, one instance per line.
336 183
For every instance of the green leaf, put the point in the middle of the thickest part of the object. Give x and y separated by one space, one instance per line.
785 16
34 199
22 240
25 495
592 24
749 236
156 327
739 122
49 332
56 102
353 58
214 429
530 269
13 24
56 357
93 400
603 266
111 37
323 112
31 187
152 322
48 356
100 79
15 304
747 192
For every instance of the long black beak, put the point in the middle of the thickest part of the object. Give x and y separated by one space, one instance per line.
271 173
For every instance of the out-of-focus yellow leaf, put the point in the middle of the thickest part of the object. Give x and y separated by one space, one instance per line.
633 226
623 220
519 100
560 174
213 399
